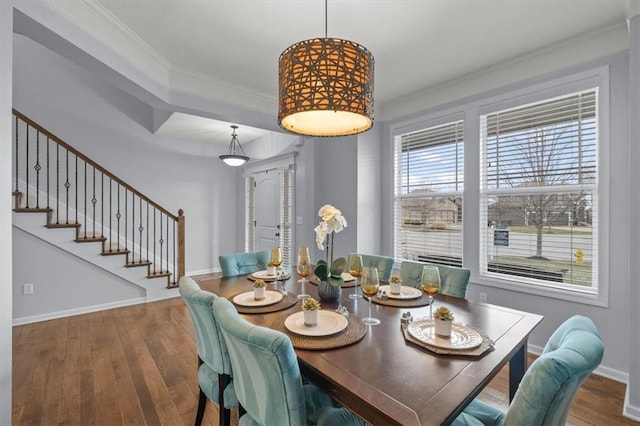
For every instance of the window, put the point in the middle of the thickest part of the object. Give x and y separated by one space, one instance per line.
428 194
539 192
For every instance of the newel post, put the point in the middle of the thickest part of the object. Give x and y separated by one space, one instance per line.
181 249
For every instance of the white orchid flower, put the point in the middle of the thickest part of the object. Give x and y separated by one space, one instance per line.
332 221
322 230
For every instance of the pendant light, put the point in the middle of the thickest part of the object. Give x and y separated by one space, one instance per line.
325 87
235 156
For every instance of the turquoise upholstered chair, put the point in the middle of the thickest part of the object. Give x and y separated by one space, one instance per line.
244 263
453 280
267 378
383 263
214 368
549 385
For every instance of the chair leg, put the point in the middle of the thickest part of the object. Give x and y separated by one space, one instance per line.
202 403
225 413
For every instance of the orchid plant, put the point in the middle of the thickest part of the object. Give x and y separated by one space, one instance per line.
332 222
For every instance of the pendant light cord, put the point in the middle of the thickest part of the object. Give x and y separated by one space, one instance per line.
325 18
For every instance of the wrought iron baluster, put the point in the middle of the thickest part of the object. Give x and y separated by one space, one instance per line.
154 240
26 167
94 200
48 143
118 216
67 184
37 169
175 275
160 241
133 227
102 205
17 155
85 199
140 229
110 216
76 182
57 184
147 204
126 219
167 232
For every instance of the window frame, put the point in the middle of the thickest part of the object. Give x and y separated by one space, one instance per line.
470 110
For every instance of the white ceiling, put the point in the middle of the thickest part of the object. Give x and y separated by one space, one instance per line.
416 44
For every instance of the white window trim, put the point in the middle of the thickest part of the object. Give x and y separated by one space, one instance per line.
470 112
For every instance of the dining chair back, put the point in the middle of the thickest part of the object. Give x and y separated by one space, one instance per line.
383 263
214 367
243 263
548 387
453 280
267 377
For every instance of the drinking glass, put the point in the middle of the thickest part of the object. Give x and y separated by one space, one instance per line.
304 268
369 286
355 269
430 283
276 260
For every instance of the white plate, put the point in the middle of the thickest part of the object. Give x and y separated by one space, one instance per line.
462 337
264 275
248 299
406 292
328 323
347 277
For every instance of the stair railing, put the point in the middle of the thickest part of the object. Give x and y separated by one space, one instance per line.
53 177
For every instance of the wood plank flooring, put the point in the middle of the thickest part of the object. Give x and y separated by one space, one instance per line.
137 366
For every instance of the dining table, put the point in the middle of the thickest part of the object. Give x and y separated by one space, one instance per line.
385 378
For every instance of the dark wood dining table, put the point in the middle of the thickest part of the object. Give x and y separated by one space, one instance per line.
387 380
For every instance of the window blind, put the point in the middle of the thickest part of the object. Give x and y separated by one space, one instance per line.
428 194
286 211
250 228
539 176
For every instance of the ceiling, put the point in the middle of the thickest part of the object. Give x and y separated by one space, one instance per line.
417 44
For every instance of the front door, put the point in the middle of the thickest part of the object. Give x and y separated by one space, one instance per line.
267 210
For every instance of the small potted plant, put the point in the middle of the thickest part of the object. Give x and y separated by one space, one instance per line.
271 270
443 318
310 308
259 289
395 284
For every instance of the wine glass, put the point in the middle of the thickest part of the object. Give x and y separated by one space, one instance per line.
276 260
430 283
304 268
369 286
355 269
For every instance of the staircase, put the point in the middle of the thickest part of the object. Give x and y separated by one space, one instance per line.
69 191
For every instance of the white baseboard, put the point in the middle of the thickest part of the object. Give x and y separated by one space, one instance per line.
630 411
203 271
77 311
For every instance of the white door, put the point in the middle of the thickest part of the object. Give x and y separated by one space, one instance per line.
267 210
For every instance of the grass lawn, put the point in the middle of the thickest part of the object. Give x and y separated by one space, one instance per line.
573 273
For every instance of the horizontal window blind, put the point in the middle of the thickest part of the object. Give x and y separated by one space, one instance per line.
428 194
286 211
539 175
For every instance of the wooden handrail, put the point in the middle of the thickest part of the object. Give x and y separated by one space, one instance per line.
91 162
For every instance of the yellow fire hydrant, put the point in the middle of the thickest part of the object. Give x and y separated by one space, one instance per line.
579 254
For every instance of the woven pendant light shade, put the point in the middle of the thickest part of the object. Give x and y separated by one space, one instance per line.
326 88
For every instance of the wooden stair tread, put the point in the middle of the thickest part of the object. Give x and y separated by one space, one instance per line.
33 210
137 263
63 225
158 274
114 252
90 239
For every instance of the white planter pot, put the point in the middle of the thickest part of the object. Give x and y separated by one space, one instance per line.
311 318
443 328
395 288
259 293
271 271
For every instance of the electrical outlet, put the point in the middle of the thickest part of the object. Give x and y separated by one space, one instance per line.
27 288
483 297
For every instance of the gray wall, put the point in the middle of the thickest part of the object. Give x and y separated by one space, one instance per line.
6 301
67 285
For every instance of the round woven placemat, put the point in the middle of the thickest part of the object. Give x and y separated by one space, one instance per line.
355 331
402 303
284 303
347 284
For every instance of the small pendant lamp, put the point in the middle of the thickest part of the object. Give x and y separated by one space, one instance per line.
235 156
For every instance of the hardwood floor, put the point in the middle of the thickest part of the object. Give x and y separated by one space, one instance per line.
137 365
